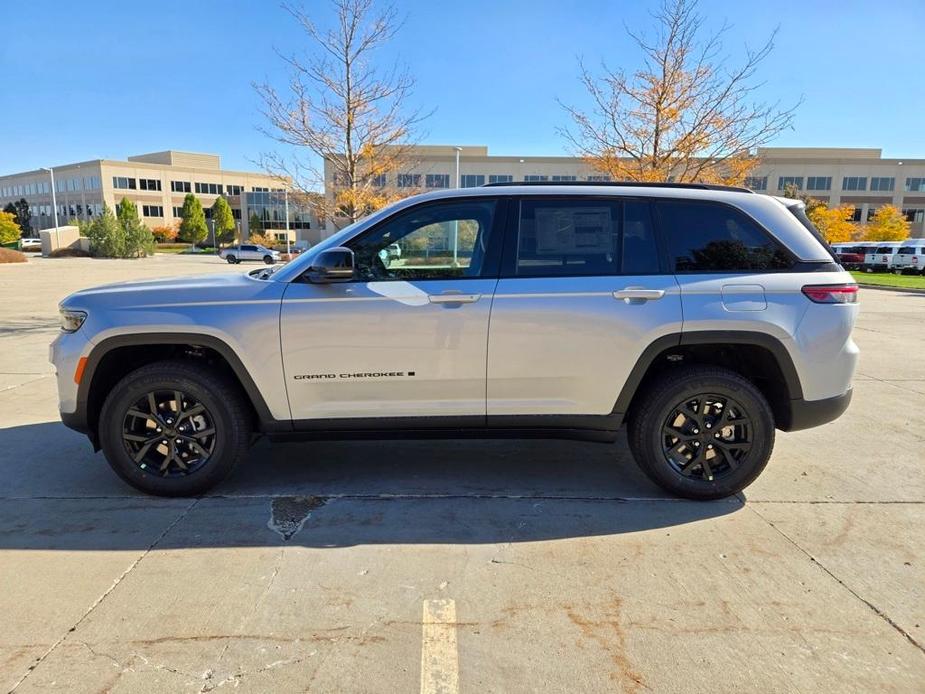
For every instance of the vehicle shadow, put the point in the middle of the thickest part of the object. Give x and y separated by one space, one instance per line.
60 495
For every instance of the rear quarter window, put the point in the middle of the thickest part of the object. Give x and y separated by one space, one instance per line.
709 237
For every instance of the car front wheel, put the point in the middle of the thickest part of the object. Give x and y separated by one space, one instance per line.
268 259
172 428
702 432
231 259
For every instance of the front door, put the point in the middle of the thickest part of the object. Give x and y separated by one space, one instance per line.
582 294
408 337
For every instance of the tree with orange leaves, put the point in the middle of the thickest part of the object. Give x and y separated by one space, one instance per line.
834 223
688 114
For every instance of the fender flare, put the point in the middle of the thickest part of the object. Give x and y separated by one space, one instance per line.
706 337
81 419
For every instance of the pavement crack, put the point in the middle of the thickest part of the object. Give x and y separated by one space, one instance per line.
876 610
105 594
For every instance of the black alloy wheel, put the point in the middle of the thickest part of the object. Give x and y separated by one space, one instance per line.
168 433
706 436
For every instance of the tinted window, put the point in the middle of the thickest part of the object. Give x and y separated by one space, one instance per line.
886 249
906 250
640 253
431 242
716 238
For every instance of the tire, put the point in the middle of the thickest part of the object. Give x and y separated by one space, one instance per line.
268 259
224 412
739 447
231 259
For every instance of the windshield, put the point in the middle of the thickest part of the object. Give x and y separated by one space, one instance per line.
886 249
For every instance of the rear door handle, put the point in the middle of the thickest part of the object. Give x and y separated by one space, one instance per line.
451 298
638 294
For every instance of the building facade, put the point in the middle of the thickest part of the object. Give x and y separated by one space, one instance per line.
857 176
157 184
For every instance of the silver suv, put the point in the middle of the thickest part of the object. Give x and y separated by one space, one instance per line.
702 317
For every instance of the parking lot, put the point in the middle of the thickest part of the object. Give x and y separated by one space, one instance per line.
499 566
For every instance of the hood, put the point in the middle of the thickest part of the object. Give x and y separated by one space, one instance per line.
173 291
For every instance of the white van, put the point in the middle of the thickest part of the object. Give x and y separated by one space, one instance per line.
910 258
881 260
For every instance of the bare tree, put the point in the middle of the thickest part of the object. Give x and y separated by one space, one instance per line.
340 108
688 114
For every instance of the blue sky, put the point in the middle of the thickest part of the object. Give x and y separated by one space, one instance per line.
84 80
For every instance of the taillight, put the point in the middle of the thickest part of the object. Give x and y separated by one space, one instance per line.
832 293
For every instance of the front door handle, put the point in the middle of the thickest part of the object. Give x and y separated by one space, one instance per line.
638 294
454 298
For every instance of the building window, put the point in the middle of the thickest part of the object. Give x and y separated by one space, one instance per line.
437 181
565 178
756 182
236 213
123 183
605 178
914 214
856 215
882 183
854 183
380 180
409 180
871 211
149 184
256 189
500 178
180 186
177 211
915 185
233 190
209 188
784 181
152 211
819 183
471 180
533 178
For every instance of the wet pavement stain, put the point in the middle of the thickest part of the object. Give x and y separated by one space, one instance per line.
289 513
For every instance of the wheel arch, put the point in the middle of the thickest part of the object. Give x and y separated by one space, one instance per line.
760 357
114 357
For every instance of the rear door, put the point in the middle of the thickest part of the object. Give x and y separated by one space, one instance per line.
582 294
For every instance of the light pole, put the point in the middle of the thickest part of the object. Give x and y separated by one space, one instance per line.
286 212
54 206
456 221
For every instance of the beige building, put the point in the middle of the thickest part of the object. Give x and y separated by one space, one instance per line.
860 177
157 184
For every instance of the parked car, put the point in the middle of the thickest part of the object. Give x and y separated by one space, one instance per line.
30 244
910 258
851 255
701 317
881 258
236 254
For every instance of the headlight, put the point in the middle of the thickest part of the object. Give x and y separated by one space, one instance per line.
72 320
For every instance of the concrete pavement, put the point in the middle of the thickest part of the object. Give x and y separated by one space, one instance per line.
334 566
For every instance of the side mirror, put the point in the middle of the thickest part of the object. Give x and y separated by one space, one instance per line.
332 265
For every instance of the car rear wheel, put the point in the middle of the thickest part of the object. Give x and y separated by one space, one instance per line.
231 259
702 432
173 429
268 259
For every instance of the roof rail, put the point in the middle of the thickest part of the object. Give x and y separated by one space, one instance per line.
620 184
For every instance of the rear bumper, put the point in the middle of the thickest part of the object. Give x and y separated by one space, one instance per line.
805 414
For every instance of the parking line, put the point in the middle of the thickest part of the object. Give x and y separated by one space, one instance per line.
439 655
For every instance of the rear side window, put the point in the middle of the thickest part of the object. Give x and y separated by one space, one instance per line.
886 249
584 237
907 250
704 237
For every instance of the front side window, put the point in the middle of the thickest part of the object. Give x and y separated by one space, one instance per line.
432 242
704 237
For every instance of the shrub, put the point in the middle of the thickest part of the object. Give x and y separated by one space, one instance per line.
261 240
9 229
125 237
8 255
164 234
69 253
